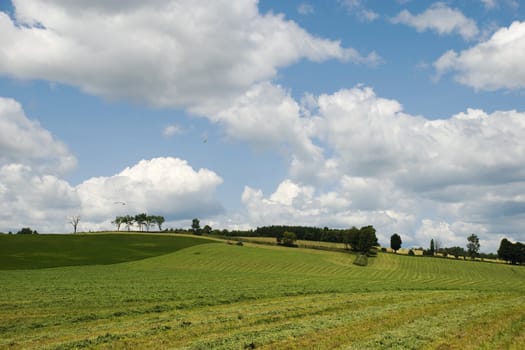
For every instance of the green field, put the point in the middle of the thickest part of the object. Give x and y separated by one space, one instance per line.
220 296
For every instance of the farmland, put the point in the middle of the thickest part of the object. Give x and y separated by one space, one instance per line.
215 295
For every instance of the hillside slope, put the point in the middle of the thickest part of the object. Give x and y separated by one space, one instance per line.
227 297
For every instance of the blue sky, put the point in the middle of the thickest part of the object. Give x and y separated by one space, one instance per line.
407 115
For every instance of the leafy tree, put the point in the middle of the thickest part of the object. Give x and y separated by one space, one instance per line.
395 242
128 220
289 238
456 251
350 237
206 229
512 252
119 220
195 226
472 246
367 239
432 248
140 220
505 250
26 231
519 249
159 220
74 220
148 221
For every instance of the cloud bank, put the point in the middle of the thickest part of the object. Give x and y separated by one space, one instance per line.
191 54
356 158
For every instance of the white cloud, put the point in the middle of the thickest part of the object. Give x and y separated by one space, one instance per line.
496 63
489 4
371 163
369 135
193 54
358 8
295 204
441 19
33 194
25 141
305 9
27 199
171 130
160 186
492 4
266 116
164 186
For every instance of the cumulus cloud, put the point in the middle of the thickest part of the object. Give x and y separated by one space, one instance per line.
370 135
164 186
41 202
496 63
192 54
294 204
160 186
32 192
374 162
24 141
441 19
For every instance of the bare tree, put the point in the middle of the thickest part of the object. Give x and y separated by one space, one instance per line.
74 220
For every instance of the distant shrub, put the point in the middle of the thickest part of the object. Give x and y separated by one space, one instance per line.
411 252
361 260
428 252
383 249
372 252
288 239
26 231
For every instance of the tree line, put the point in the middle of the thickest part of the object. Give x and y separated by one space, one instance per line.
357 239
143 221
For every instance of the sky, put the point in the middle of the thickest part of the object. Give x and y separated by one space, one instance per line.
402 114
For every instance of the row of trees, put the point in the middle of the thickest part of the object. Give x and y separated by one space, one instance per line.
472 250
359 240
307 233
143 221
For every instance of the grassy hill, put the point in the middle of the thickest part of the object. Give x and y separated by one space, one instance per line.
40 251
229 297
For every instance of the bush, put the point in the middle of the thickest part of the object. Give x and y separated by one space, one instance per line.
288 239
411 252
361 260
26 231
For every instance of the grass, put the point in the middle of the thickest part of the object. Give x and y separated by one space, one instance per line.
41 251
300 243
219 296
